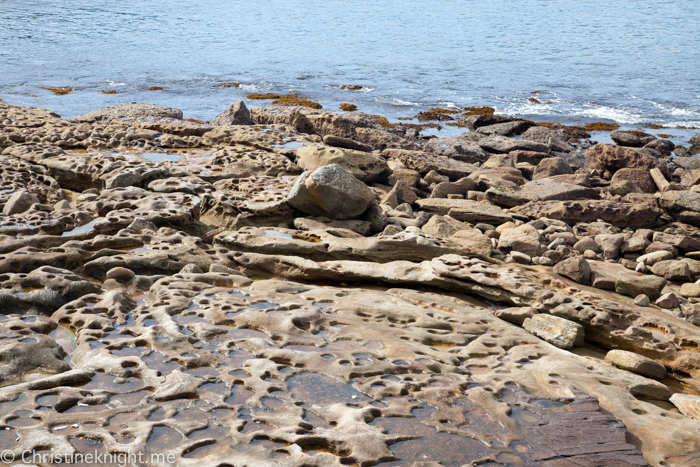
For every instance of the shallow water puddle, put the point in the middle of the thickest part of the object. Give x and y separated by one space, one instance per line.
64 337
162 438
160 157
289 146
80 229
314 388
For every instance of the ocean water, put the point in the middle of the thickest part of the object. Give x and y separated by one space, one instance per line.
630 61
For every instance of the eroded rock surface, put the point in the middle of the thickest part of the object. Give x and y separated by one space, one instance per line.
185 289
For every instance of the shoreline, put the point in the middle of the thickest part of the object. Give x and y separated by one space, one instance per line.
319 287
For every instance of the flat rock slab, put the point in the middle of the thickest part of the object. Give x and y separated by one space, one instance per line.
466 210
557 331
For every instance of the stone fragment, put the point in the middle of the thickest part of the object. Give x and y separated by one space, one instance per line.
613 158
640 177
668 301
610 244
688 404
550 167
623 188
586 243
642 300
516 315
557 331
654 257
133 112
524 239
364 166
636 363
444 226
690 289
19 203
236 114
177 385
672 270
345 143
659 179
520 258
650 286
682 242
575 268
332 192
120 274
360 227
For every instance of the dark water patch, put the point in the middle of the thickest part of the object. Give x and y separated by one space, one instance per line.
314 388
449 450
162 438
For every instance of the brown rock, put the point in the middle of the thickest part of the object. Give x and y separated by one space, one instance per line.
640 177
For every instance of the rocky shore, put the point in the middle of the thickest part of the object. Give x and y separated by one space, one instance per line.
286 286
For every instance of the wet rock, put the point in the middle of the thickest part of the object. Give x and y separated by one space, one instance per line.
345 143
557 331
19 203
624 138
237 114
672 270
695 140
120 274
505 129
330 191
32 353
177 385
636 363
576 269
651 286
365 167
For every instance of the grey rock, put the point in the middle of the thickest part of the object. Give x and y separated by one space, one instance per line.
642 300
672 270
19 203
237 114
330 191
651 286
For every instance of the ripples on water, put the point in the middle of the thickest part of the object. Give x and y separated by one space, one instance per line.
639 60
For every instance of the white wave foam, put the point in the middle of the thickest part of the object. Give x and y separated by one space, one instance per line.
395 102
114 83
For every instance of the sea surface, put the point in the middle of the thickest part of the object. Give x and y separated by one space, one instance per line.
634 62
